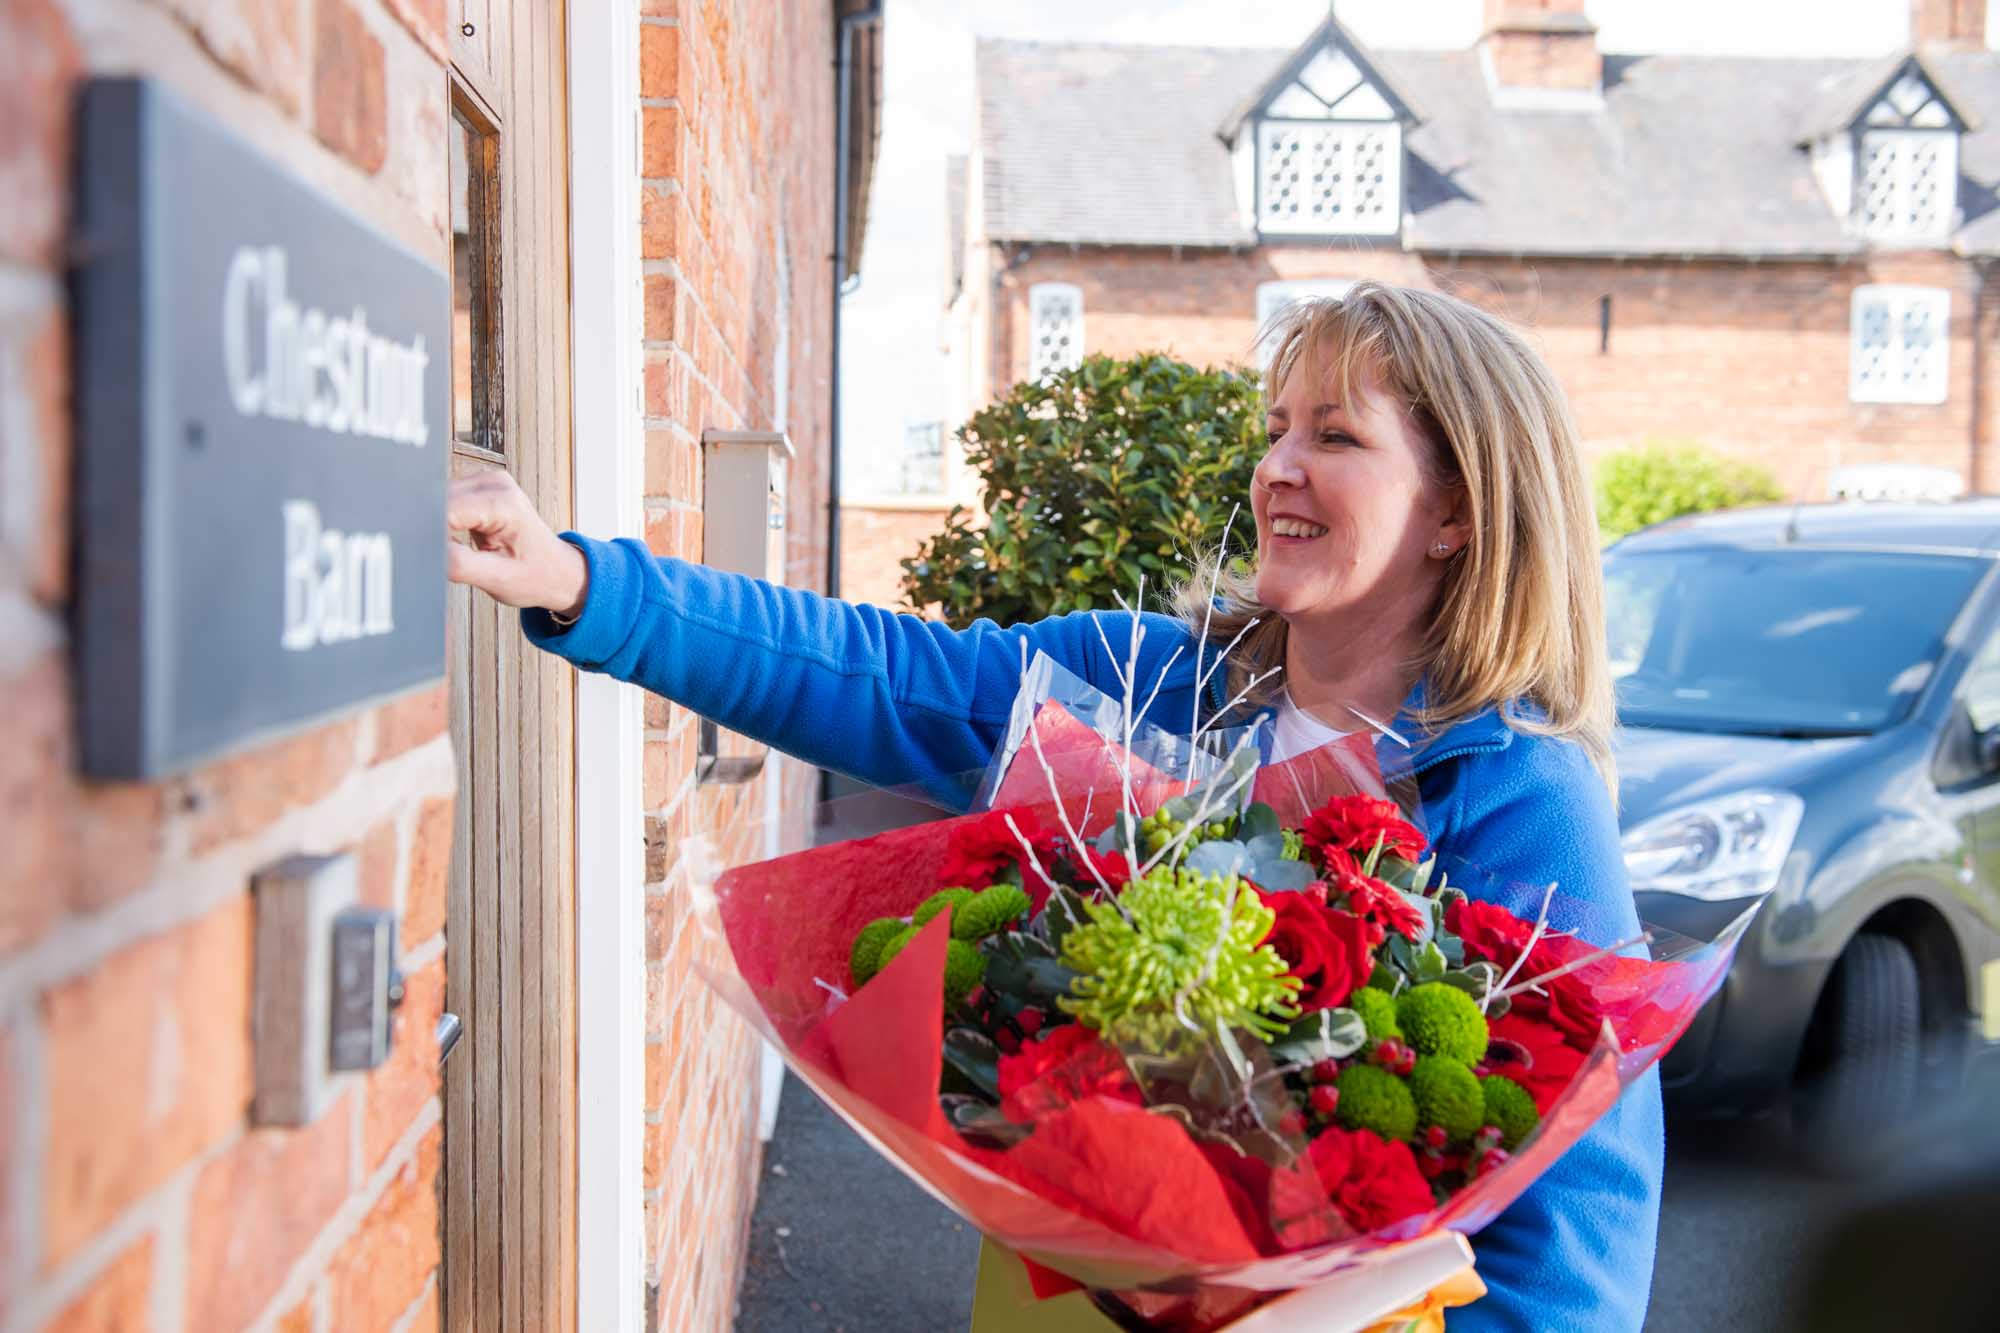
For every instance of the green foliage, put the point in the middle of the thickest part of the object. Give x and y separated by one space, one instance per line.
943 900
1659 481
894 945
1510 1108
1378 1012
1440 1019
1373 1098
988 911
1093 477
964 967
1447 1095
865 959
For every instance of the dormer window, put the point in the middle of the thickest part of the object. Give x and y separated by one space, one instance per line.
1319 148
1888 159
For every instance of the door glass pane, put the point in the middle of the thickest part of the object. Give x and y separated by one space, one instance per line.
475 255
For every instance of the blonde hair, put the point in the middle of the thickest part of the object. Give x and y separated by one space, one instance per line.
1520 615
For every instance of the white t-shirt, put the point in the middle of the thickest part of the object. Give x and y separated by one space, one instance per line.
1296 731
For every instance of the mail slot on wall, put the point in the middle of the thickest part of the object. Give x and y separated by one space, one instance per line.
743 531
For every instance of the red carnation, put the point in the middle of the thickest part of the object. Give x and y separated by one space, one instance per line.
1355 824
1331 952
1371 1182
1489 931
1114 866
1068 1064
1372 900
981 848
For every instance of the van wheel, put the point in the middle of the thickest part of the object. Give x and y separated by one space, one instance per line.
1860 1071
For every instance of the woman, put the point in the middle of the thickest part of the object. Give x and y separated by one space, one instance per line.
1425 551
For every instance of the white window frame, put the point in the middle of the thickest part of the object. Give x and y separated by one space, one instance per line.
1042 298
1931 385
1388 222
1905 143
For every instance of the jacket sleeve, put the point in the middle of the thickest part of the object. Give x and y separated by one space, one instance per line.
1576 1250
891 699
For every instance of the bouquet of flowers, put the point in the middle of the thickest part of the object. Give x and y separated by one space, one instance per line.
1187 1030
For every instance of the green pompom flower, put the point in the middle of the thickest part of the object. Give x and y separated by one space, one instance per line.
964 968
1373 1098
865 959
1510 1108
990 911
1447 1095
943 900
894 945
1378 1012
1441 1019
1178 952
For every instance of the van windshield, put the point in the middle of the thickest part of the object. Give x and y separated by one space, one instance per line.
1791 641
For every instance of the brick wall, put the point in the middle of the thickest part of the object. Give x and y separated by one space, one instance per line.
1750 359
133 1193
737 105
875 538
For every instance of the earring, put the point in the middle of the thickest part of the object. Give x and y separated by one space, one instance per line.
1444 548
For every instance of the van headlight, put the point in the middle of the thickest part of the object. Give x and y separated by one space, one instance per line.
1728 847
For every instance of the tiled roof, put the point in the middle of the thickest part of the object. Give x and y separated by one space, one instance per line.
1686 155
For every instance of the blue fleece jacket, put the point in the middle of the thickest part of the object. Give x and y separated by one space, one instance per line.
896 700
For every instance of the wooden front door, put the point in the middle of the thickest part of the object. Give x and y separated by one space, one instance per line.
509 1181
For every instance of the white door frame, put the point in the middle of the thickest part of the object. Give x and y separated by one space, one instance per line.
606 379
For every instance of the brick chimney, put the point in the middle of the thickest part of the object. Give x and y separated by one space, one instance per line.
1957 25
1542 46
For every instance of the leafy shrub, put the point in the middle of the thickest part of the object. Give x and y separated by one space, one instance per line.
1093 477
1659 481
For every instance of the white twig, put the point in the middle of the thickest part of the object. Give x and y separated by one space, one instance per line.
1027 847
1062 815
1381 728
1208 611
1158 681
1534 938
1534 983
1240 696
1202 812
1201 682
1097 624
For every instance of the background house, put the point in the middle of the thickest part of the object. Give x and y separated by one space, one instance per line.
1785 259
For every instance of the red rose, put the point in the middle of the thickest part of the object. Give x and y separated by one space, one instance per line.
1372 900
1490 932
1068 1064
1356 823
1533 1052
1114 866
1371 1182
980 849
1330 952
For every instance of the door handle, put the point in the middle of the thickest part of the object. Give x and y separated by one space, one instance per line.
449 1030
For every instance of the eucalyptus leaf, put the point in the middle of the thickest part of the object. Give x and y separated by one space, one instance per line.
1430 963
1266 847
1281 876
1259 821
1219 858
1422 907
981 1122
1330 1034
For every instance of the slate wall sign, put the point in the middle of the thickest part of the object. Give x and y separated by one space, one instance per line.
262 388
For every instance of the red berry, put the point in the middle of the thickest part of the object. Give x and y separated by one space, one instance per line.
1430 1164
1488 1137
1406 1062
1492 1160
1291 1122
1029 1021
1006 1041
1435 1138
1324 1099
1387 1051
1326 1071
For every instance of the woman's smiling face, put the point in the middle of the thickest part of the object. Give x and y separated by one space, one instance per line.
1349 517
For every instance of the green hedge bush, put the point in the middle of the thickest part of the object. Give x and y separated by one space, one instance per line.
1659 481
1092 477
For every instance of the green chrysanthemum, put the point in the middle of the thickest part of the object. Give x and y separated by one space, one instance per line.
865 959
1447 1095
943 900
1373 1098
988 911
894 945
964 968
1510 1108
1178 952
1441 1019
1377 1009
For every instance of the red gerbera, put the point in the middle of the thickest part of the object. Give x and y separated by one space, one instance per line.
1533 1052
1372 900
1356 823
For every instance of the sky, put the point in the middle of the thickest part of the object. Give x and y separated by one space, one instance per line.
893 373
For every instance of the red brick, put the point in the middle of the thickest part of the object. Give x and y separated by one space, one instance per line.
384 1267
38 63
120 831
376 855
245 793
259 41
426 21
409 1078
660 142
148 1063
411 721
350 87
36 356
119 1299
659 223
659 783
661 918
34 781
657 711
427 900
299 1319
873 544
426 1320
659 1067
660 989
256 1209
662 305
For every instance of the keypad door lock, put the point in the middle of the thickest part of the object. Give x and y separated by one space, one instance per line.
367 987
